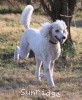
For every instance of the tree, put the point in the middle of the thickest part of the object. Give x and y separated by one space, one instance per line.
59 9
28 1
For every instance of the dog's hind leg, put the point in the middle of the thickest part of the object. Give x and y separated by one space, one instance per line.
16 55
38 66
21 52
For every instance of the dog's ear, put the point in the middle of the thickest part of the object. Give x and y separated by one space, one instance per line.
46 29
50 28
66 32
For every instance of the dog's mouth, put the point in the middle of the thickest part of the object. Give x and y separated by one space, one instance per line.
60 40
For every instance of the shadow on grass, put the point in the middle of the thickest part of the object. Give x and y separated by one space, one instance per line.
77 23
69 80
9 11
6 56
68 49
13 83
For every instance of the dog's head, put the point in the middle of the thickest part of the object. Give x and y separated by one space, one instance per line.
59 31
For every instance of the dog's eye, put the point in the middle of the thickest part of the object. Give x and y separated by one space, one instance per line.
57 31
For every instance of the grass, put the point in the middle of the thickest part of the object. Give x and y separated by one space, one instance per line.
14 7
67 72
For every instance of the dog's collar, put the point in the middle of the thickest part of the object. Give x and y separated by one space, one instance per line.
53 42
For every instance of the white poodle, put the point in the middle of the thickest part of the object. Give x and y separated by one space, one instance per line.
45 44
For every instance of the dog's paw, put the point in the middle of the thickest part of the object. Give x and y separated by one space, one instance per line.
43 76
51 84
38 79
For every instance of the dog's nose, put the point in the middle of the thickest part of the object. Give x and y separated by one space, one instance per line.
64 37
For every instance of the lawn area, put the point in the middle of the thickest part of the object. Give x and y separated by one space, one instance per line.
18 82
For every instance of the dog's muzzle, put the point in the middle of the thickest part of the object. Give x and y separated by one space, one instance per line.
61 40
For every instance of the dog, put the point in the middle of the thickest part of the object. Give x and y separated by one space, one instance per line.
44 42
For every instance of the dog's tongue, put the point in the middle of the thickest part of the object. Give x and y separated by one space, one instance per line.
61 41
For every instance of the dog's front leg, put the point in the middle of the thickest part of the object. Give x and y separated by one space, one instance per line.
48 73
38 66
52 67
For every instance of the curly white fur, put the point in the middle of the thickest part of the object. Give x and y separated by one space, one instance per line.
26 16
45 43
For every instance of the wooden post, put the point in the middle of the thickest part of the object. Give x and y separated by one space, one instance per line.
65 15
29 2
68 21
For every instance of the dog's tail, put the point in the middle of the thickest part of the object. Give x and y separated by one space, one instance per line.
26 15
